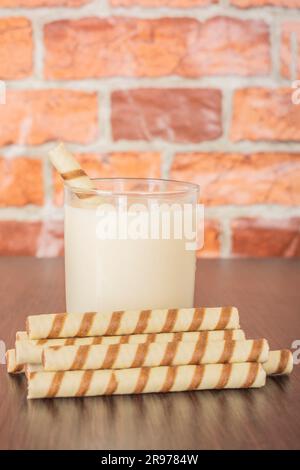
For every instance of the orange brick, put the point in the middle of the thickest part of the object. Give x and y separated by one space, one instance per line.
16 47
21 182
129 164
18 238
262 3
118 46
211 246
37 238
265 114
175 115
288 30
160 3
259 178
42 3
36 116
50 242
261 237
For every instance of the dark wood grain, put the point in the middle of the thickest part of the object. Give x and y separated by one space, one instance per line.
267 294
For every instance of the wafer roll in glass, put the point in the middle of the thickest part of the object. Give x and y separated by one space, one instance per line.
30 351
62 325
69 169
279 362
124 356
145 380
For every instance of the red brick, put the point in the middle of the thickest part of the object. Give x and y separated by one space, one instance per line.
21 182
265 114
42 3
175 115
16 47
37 238
18 238
50 242
36 116
288 30
259 178
266 238
160 3
262 3
212 244
118 46
127 164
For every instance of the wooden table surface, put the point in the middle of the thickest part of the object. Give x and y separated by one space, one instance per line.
267 293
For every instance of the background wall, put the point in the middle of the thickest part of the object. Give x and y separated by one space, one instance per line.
197 90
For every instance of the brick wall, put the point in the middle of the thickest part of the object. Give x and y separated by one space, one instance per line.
198 90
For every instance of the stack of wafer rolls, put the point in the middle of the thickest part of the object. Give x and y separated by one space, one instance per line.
145 380
30 351
142 351
132 322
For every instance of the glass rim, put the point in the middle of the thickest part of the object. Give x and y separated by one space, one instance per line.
184 187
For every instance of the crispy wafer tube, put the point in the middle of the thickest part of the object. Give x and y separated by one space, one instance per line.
30 351
62 325
279 362
29 368
145 380
125 356
68 168
21 335
11 363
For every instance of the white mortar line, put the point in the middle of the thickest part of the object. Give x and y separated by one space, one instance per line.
98 9
48 182
226 214
294 55
275 44
30 213
225 237
216 146
167 81
167 159
227 103
38 54
266 211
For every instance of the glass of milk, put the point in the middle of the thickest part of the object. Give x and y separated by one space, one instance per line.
130 244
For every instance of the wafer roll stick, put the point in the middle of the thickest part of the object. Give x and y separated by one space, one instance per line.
29 368
145 380
11 363
30 351
125 356
21 335
279 362
70 170
62 325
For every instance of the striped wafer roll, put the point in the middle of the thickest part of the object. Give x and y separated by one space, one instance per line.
145 380
126 356
21 335
11 363
30 351
70 170
279 362
29 368
62 325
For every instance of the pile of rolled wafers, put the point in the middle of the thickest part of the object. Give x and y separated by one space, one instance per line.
129 352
